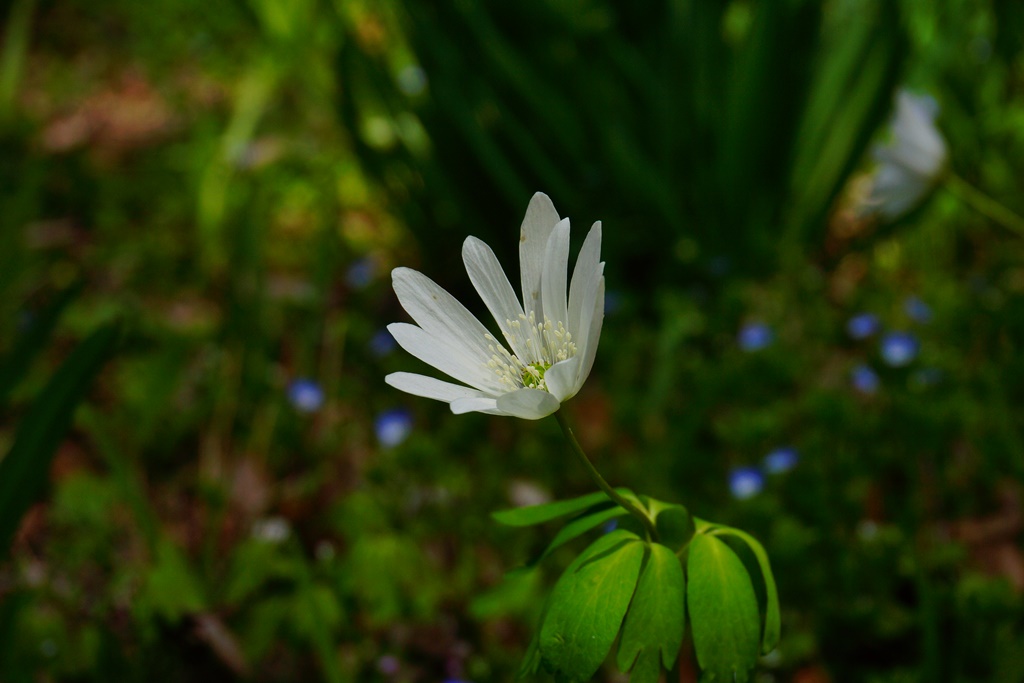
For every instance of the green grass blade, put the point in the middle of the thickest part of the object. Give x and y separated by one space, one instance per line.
24 469
12 58
32 341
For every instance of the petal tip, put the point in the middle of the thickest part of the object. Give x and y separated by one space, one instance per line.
402 273
473 242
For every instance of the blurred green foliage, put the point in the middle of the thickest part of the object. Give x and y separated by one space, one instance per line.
235 180
696 129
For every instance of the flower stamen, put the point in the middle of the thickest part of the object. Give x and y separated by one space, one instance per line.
548 344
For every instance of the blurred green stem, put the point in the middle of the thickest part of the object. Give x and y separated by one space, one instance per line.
12 55
599 480
984 204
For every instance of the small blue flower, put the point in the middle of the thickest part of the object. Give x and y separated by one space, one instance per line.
864 379
755 336
360 273
305 395
745 482
917 310
610 526
393 426
382 343
780 460
862 325
899 348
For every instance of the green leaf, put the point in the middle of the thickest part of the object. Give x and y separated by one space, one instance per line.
772 617
23 471
674 524
653 631
723 610
538 514
170 589
254 565
575 529
703 526
531 660
587 605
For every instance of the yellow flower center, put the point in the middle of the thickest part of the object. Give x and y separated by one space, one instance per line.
533 375
545 343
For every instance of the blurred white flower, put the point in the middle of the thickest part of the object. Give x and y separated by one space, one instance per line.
271 529
523 493
546 345
912 162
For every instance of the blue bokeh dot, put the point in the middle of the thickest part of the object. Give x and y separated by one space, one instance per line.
755 336
305 395
745 482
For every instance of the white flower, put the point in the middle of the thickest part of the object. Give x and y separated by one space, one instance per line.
912 162
546 345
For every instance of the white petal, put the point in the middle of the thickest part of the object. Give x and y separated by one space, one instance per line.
925 105
584 276
428 387
556 263
589 352
439 313
591 303
529 404
895 190
493 287
561 378
540 220
476 405
916 142
447 358
917 135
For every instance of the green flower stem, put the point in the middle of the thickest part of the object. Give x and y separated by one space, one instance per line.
984 204
630 507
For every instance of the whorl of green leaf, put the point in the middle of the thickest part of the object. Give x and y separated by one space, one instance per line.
772 617
653 631
587 606
723 610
